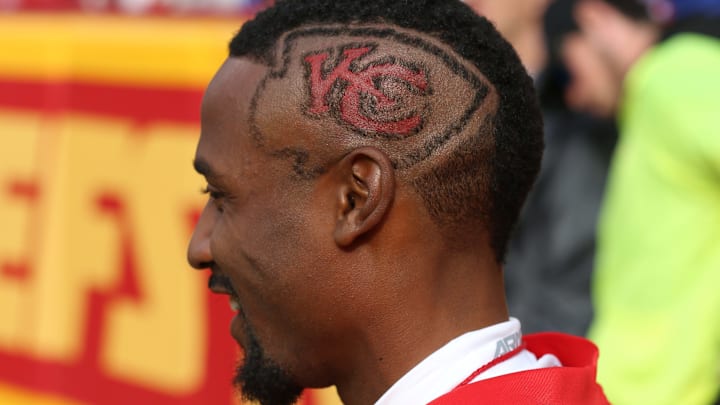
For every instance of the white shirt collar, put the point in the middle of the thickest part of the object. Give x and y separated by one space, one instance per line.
450 365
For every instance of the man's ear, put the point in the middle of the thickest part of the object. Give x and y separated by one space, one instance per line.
367 189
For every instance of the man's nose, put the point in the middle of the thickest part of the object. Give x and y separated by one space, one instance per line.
199 255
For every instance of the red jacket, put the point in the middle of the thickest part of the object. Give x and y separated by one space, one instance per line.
572 384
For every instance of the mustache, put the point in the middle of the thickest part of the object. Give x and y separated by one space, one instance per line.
222 281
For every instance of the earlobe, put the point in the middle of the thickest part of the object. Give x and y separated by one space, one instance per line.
365 193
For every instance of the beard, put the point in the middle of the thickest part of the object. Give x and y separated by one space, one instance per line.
261 379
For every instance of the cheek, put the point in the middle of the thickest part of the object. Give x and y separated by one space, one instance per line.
299 262
281 247
266 246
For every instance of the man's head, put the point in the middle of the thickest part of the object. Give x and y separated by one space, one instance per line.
599 47
352 149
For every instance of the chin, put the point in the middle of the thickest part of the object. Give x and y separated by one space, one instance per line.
260 378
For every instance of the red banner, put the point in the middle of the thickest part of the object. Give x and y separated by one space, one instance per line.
97 202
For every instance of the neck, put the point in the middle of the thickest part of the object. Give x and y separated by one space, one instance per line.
432 302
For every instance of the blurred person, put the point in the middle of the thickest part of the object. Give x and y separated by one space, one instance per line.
365 164
658 265
608 40
551 254
520 22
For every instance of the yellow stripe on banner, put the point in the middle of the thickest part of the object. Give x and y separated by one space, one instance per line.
159 51
15 396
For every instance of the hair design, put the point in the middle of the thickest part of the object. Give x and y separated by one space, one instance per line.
427 81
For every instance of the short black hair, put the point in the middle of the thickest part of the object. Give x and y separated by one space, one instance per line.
459 190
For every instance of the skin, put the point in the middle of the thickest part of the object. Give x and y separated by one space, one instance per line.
520 21
510 17
593 88
343 279
601 54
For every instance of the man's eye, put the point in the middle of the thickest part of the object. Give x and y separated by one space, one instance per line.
215 196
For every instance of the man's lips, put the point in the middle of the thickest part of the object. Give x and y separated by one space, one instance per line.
220 284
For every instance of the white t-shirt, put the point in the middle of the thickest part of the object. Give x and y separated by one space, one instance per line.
450 365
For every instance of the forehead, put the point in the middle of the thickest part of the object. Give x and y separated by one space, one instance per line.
225 109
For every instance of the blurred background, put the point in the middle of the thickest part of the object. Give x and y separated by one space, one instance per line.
99 118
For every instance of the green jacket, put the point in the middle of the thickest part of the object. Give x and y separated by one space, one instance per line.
657 283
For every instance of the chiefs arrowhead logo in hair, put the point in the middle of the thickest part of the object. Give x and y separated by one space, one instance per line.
368 100
368 85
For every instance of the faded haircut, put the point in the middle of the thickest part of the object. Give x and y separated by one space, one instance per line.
479 185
